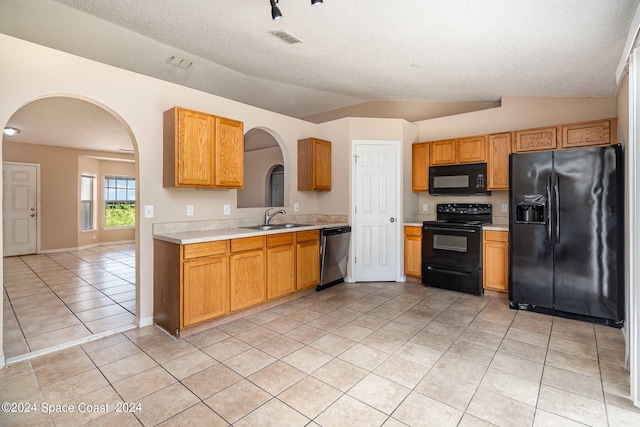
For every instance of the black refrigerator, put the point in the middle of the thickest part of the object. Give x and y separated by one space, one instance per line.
566 225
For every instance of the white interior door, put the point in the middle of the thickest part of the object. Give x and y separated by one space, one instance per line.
19 208
376 212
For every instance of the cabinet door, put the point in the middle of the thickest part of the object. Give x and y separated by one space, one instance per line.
587 134
496 261
420 167
413 251
443 152
247 279
498 161
281 267
472 149
536 139
314 165
308 263
194 149
205 284
229 153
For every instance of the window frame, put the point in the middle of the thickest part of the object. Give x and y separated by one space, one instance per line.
129 191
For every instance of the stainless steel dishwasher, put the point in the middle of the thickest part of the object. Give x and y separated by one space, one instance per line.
334 252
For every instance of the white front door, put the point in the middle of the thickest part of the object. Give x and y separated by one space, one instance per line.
19 208
376 212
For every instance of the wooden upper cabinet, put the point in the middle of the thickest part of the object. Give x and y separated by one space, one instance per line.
314 165
420 167
229 153
202 151
587 134
443 152
472 149
498 161
536 139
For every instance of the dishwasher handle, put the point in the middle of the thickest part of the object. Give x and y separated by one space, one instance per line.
336 230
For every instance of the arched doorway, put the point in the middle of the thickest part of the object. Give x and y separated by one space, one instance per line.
81 279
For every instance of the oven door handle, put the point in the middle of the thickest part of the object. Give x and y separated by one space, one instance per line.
446 270
457 230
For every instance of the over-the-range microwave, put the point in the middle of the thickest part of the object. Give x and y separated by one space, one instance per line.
458 180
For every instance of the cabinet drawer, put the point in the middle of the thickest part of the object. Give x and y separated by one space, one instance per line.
247 244
411 230
283 239
306 236
496 236
197 250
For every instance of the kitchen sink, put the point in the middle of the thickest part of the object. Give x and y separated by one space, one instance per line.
274 226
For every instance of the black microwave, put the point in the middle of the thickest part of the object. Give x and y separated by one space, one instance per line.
458 180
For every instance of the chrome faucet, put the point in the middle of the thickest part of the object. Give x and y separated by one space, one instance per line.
268 216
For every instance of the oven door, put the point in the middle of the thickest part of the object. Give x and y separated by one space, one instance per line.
457 245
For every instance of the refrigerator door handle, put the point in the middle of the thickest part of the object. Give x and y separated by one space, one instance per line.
548 207
556 190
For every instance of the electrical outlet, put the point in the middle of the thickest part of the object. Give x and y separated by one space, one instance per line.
296 207
505 207
227 209
425 207
189 210
148 211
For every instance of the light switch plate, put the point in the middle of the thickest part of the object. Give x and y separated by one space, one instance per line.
425 207
296 207
505 207
227 209
148 211
189 210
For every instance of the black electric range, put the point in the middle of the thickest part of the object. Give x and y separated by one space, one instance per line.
452 247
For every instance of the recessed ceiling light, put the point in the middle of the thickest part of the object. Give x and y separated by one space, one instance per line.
416 65
8 131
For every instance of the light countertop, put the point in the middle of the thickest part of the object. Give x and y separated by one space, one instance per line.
201 236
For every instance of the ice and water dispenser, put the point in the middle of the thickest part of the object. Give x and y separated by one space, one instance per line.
531 209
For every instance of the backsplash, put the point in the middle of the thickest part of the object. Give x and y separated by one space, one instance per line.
496 199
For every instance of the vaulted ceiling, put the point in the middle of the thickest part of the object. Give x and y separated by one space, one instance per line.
413 59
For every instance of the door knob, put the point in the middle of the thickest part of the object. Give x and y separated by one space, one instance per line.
392 219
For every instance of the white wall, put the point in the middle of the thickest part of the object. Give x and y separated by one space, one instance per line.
138 102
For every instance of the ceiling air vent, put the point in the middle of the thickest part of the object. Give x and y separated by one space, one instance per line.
283 35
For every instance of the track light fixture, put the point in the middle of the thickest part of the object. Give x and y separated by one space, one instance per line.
275 11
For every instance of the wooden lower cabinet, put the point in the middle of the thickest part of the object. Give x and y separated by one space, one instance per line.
190 283
195 283
496 260
413 251
247 273
307 259
281 265
205 289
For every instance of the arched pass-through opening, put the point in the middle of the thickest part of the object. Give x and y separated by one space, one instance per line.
81 280
264 151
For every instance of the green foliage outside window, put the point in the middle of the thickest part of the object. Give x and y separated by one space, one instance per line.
120 215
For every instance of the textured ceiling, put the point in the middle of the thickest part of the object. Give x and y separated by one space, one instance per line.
353 53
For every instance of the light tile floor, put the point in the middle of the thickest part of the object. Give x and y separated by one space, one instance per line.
363 354
51 299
